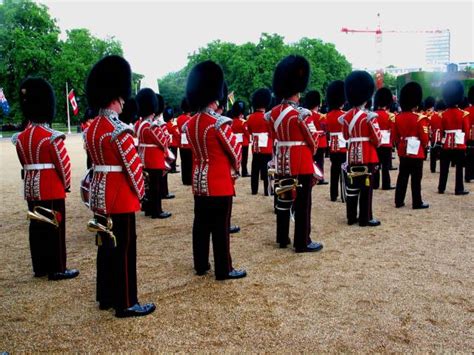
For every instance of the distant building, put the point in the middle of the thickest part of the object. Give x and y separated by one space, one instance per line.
438 48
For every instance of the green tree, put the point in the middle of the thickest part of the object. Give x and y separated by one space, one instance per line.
250 66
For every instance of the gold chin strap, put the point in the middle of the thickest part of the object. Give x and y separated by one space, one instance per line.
45 215
94 226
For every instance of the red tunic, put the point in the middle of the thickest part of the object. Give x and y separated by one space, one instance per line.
454 122
410 124
180 121
470 118
258 126
297 139
386 121
110 145
173 130
334 128
363 134
435 127
153 143
321 125
239 127
44 159
216 154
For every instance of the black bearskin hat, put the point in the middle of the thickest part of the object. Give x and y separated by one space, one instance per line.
37 100
335 95
147 102
440 105
90 113
383 98
109 79
185 106
411 96
429 102
453 93
470 95
261 98
161 105
168 113
238 108
312 99
223 101
291 76
359 87
129 112
205 85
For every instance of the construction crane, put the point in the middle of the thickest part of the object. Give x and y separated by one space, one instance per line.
378 44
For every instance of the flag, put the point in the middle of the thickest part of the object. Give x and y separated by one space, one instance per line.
72 100
231 97
4 103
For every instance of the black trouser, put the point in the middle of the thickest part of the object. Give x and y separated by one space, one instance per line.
173 164
186 165
245 157
337 159
385 158
88 160
409 167
435 151
212 217
153 206
117 267
319 158
260 169
359 191
469 174
302 209
456 156
48 243
164 186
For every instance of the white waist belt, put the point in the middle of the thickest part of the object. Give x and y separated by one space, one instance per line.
453 131
38 166
359 139
415 138
107 168
148 145
333 134
291 143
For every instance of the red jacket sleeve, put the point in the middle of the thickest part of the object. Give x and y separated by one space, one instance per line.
160 136
423 131
308 128
229 142
374 129
61 161
131 162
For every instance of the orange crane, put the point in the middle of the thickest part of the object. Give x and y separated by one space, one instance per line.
378 44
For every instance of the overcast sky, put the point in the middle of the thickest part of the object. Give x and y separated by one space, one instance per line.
157 36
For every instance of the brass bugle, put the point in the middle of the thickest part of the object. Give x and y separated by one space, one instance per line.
45 215
94 226
286 185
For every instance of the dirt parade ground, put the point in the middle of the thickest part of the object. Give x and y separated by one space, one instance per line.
402 287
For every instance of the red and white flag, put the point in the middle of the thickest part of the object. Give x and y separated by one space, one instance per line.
72 100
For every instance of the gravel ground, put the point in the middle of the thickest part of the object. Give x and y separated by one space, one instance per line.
405 286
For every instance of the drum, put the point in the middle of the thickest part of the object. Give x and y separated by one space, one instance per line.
85 186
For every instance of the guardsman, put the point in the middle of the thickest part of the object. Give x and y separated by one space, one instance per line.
469 174
152 145
116 188
297 143
262 142
382 101
454 135
410 134
216 161
239 127
185 152
172 127
47 177
335 99
312 101
362 130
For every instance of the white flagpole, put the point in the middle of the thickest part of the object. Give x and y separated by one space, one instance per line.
67 104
